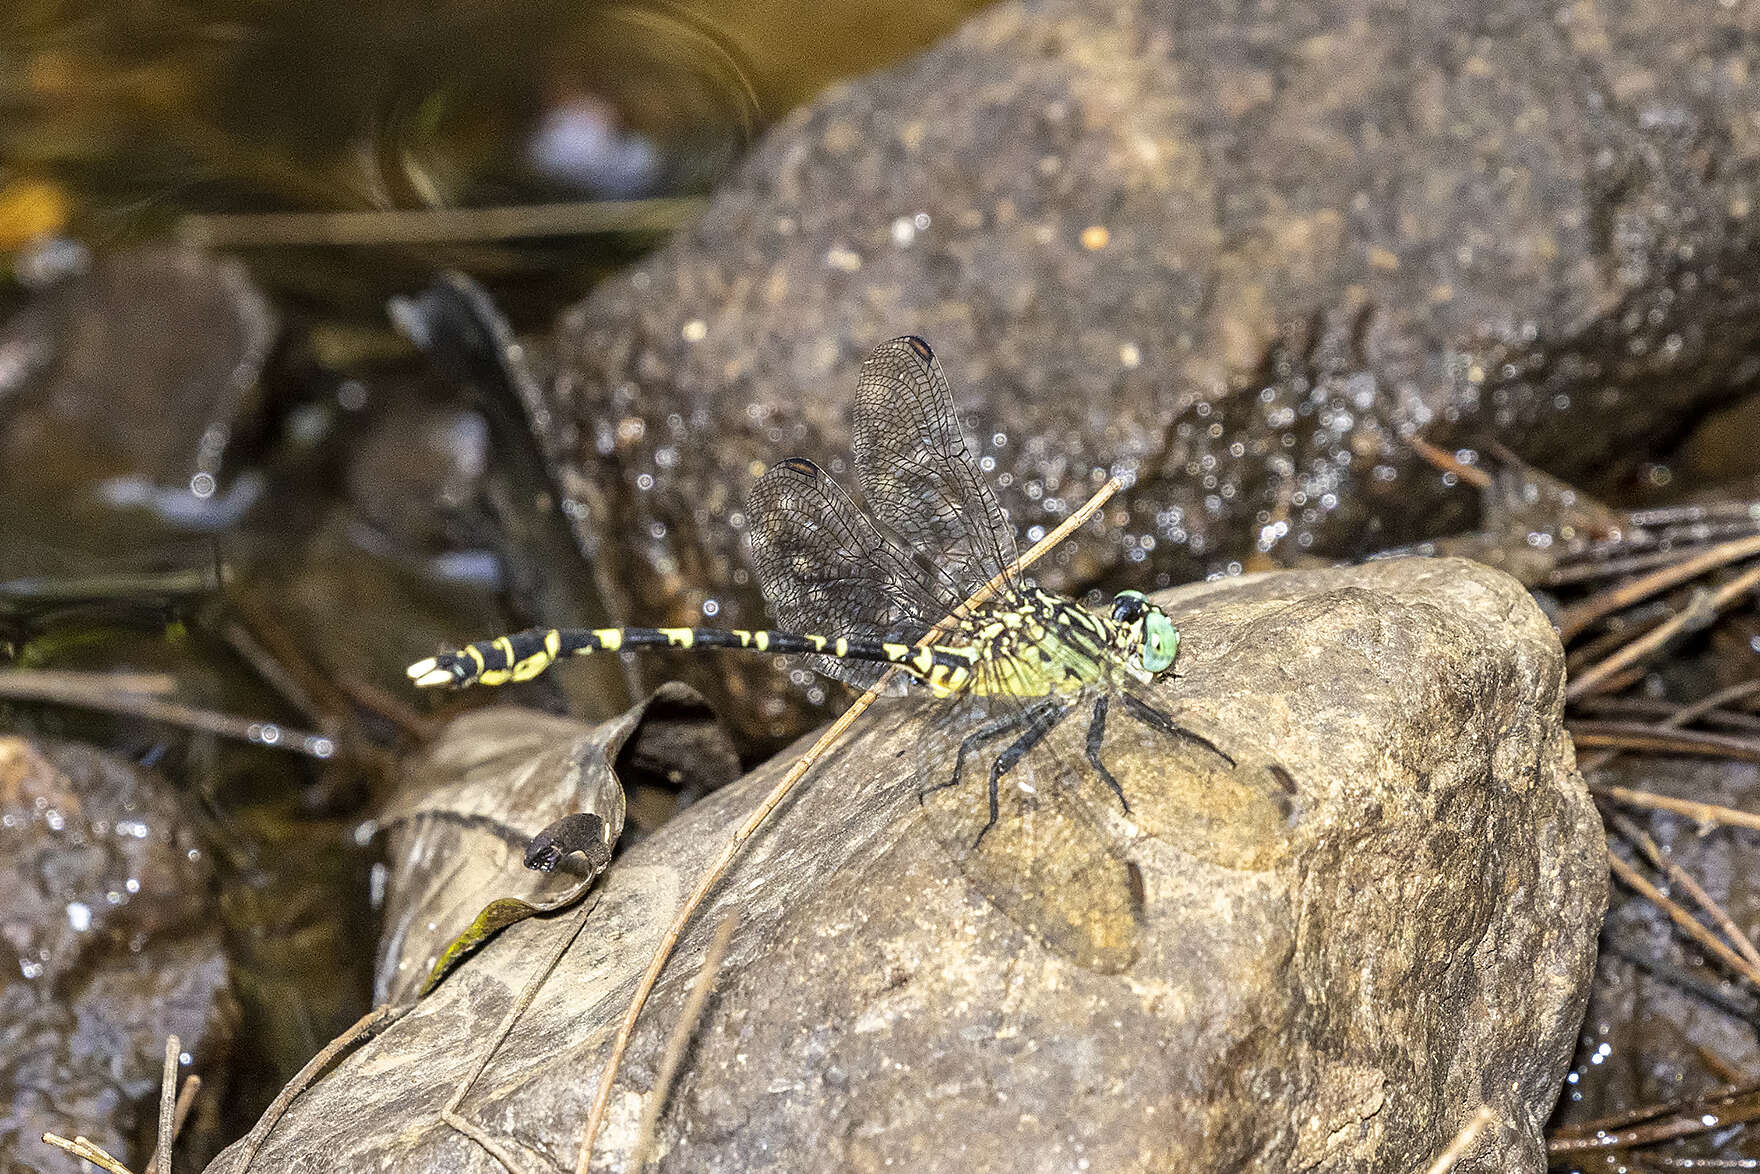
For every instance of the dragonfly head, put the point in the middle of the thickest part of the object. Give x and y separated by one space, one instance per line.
1147 637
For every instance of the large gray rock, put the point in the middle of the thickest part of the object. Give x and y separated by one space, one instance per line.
1234 251
1332 962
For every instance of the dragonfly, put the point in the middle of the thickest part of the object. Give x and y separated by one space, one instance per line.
857 592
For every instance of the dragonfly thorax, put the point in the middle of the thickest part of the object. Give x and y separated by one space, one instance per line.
1038 644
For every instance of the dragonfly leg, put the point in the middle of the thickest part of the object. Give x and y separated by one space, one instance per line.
1041 720
988 732
1156 720
1097 732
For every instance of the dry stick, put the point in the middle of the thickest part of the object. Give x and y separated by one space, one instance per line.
1721 1066
724 860
97 691
1636 881
1686 715
87 1150
1709 814
1633 623
161 1160
186 1098
1680 876
1571 573
1664 713
1661 740
1446 461
1697 1104
449 1112
1457 1149
396 226
1665 1130
79 681
363 1029
1581 615
682 1031
1703 608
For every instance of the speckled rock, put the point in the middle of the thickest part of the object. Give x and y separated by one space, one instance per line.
1232 251
1330 973
112 945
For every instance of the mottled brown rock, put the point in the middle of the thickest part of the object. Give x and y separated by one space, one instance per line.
112 945
1331 978
1233 251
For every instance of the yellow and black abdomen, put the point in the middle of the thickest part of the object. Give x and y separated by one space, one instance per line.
523 655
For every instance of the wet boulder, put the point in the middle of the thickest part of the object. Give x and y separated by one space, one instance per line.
109 924
1370 910
1236 253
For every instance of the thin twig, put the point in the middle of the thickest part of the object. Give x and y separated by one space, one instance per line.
1706 814
1689 978
1722 1066
398 226
1683 716
1625 1118
682 1031
724 860
87 1150
1580 615
1673 713
129 586
161 1161
1662 740
449 1112
1701 610
361 1030
1636 881
1463 1141
1695 1106
97 691
1570 573
1449 463
1667 1129
1679 876
76 680
1620 631
186 1099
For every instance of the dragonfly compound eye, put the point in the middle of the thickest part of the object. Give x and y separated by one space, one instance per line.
1129 606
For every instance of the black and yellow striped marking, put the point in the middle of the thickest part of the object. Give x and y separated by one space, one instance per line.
522 656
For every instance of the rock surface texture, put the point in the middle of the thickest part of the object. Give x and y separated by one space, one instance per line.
108 920
1235 252
1332 970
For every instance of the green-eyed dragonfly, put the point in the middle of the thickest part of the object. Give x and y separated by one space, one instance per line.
856 592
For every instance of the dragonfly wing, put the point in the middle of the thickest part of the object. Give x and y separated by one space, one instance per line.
825 569
1046 863
916 474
